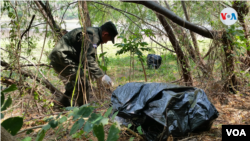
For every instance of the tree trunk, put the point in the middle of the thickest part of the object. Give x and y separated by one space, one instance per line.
6 136
242 10
180 55
231 79
200 60
46 12
195 54
145 75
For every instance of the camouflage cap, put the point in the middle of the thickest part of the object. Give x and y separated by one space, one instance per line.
111 29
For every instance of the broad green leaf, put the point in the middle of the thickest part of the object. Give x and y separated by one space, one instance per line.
10 89
77 125
88 127
7 104
2 98
74 128
2 116
81 122
46 127
27 139
78 134
113 133
62 120
70 108
108 112
49 119
40 135
102 54
76 116
103 121
13 125
129 125
53 123
114 115
99 132
139 130
94 118
131 139
85 111
74 112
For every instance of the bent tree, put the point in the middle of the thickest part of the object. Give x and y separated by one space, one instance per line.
223 35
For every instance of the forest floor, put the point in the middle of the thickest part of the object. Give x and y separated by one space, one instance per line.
233 109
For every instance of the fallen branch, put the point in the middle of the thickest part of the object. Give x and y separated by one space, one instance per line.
246 71
35 127
26 65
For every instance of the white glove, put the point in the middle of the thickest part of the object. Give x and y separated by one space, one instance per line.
106 81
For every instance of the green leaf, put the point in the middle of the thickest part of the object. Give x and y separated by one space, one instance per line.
40 135
94 118
74 128
108 112
74 112
46 127
113 133
13 125
62 120
36 95
7 104
88 127
131 139
2 98
81 122
78 134
129 125
2 116
102 54
49 119
139 130
99 132
104 121
70 108
53 123
76 116
114 115
77 125
10 89
27 139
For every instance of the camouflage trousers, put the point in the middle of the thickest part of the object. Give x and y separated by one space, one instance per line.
68 76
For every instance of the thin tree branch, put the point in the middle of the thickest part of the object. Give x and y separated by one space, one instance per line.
176 19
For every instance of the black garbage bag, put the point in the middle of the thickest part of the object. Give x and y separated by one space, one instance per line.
162 109
153 61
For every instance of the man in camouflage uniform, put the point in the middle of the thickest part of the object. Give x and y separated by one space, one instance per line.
66 55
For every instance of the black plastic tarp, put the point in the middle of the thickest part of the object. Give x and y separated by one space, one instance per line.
154 61
162 109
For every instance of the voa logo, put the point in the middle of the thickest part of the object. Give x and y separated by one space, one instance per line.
236 132
228 16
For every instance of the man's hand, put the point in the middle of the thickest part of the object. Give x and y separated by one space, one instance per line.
106 81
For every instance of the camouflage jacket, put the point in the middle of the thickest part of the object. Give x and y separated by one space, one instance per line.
67 51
